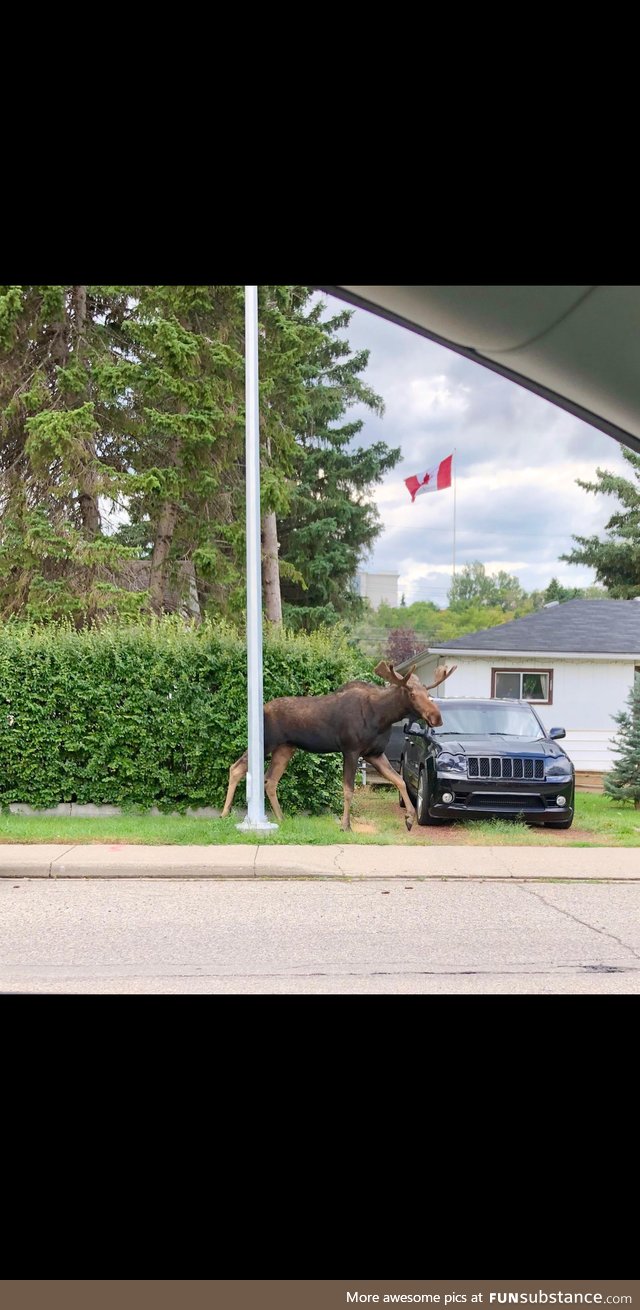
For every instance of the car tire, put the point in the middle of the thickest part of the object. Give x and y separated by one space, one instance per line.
422 802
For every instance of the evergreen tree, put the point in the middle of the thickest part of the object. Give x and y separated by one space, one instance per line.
330 522
191 504
616 560
132 399
56 432
622 783
182 375
555 591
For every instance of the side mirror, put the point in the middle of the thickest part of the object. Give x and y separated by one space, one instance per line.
405 728
557 732
413 729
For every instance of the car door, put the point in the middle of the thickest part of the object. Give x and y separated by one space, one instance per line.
396 745
414 739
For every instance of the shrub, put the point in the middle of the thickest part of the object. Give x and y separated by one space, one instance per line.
153 714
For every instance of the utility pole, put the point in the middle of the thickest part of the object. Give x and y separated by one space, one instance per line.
255 820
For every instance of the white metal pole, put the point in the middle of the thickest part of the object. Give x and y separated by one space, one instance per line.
255 820
454 511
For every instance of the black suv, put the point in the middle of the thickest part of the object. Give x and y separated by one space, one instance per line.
490 758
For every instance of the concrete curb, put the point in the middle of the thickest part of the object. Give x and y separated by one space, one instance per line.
73 810
607 864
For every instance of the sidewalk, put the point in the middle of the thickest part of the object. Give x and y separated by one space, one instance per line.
604 863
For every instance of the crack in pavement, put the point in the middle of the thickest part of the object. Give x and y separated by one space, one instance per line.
60 857
540 971
496 857
602 932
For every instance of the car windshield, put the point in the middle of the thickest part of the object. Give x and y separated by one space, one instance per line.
494 720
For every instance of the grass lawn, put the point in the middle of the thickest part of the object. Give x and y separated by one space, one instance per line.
376 816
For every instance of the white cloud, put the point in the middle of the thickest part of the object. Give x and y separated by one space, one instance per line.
517 459
426 395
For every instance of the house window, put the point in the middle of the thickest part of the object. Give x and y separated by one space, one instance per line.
523 684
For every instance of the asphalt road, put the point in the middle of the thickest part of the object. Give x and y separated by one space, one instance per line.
263 936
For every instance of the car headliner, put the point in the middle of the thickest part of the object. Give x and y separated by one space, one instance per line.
577 346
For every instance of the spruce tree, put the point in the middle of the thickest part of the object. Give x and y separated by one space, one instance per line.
617 559
182 374
331 521
622 783
55 439
132 399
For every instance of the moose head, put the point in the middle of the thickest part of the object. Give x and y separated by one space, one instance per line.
420 701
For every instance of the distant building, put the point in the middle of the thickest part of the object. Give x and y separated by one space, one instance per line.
379 587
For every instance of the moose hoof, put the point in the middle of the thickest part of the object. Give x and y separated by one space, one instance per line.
408 818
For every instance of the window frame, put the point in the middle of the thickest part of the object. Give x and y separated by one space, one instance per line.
529 699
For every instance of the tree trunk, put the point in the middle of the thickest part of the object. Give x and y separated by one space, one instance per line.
90 514
160 557
87 491
270 570
163 540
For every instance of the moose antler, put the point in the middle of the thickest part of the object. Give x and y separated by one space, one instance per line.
389 674
441 673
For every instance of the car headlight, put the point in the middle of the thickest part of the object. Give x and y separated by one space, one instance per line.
559 773
452 764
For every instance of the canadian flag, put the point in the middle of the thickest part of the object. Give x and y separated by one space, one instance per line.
437 479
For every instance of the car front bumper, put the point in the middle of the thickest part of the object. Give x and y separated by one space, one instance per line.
477 798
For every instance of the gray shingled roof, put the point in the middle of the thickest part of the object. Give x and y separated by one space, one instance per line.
598 627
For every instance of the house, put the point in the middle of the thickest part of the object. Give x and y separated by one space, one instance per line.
379 587
575 661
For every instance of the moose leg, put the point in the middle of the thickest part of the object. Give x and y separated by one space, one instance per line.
236 773
279 760
381 763
348 780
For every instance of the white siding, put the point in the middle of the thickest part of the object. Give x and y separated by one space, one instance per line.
586 694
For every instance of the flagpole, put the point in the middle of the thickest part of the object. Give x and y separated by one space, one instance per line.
454 511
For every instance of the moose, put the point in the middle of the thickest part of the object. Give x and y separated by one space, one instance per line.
355 721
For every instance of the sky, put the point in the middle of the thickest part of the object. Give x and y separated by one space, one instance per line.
517 459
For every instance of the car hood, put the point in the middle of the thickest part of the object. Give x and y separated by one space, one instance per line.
499 746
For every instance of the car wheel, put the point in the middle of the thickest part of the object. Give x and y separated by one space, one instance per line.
422 801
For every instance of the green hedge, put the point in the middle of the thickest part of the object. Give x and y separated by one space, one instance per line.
153 714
